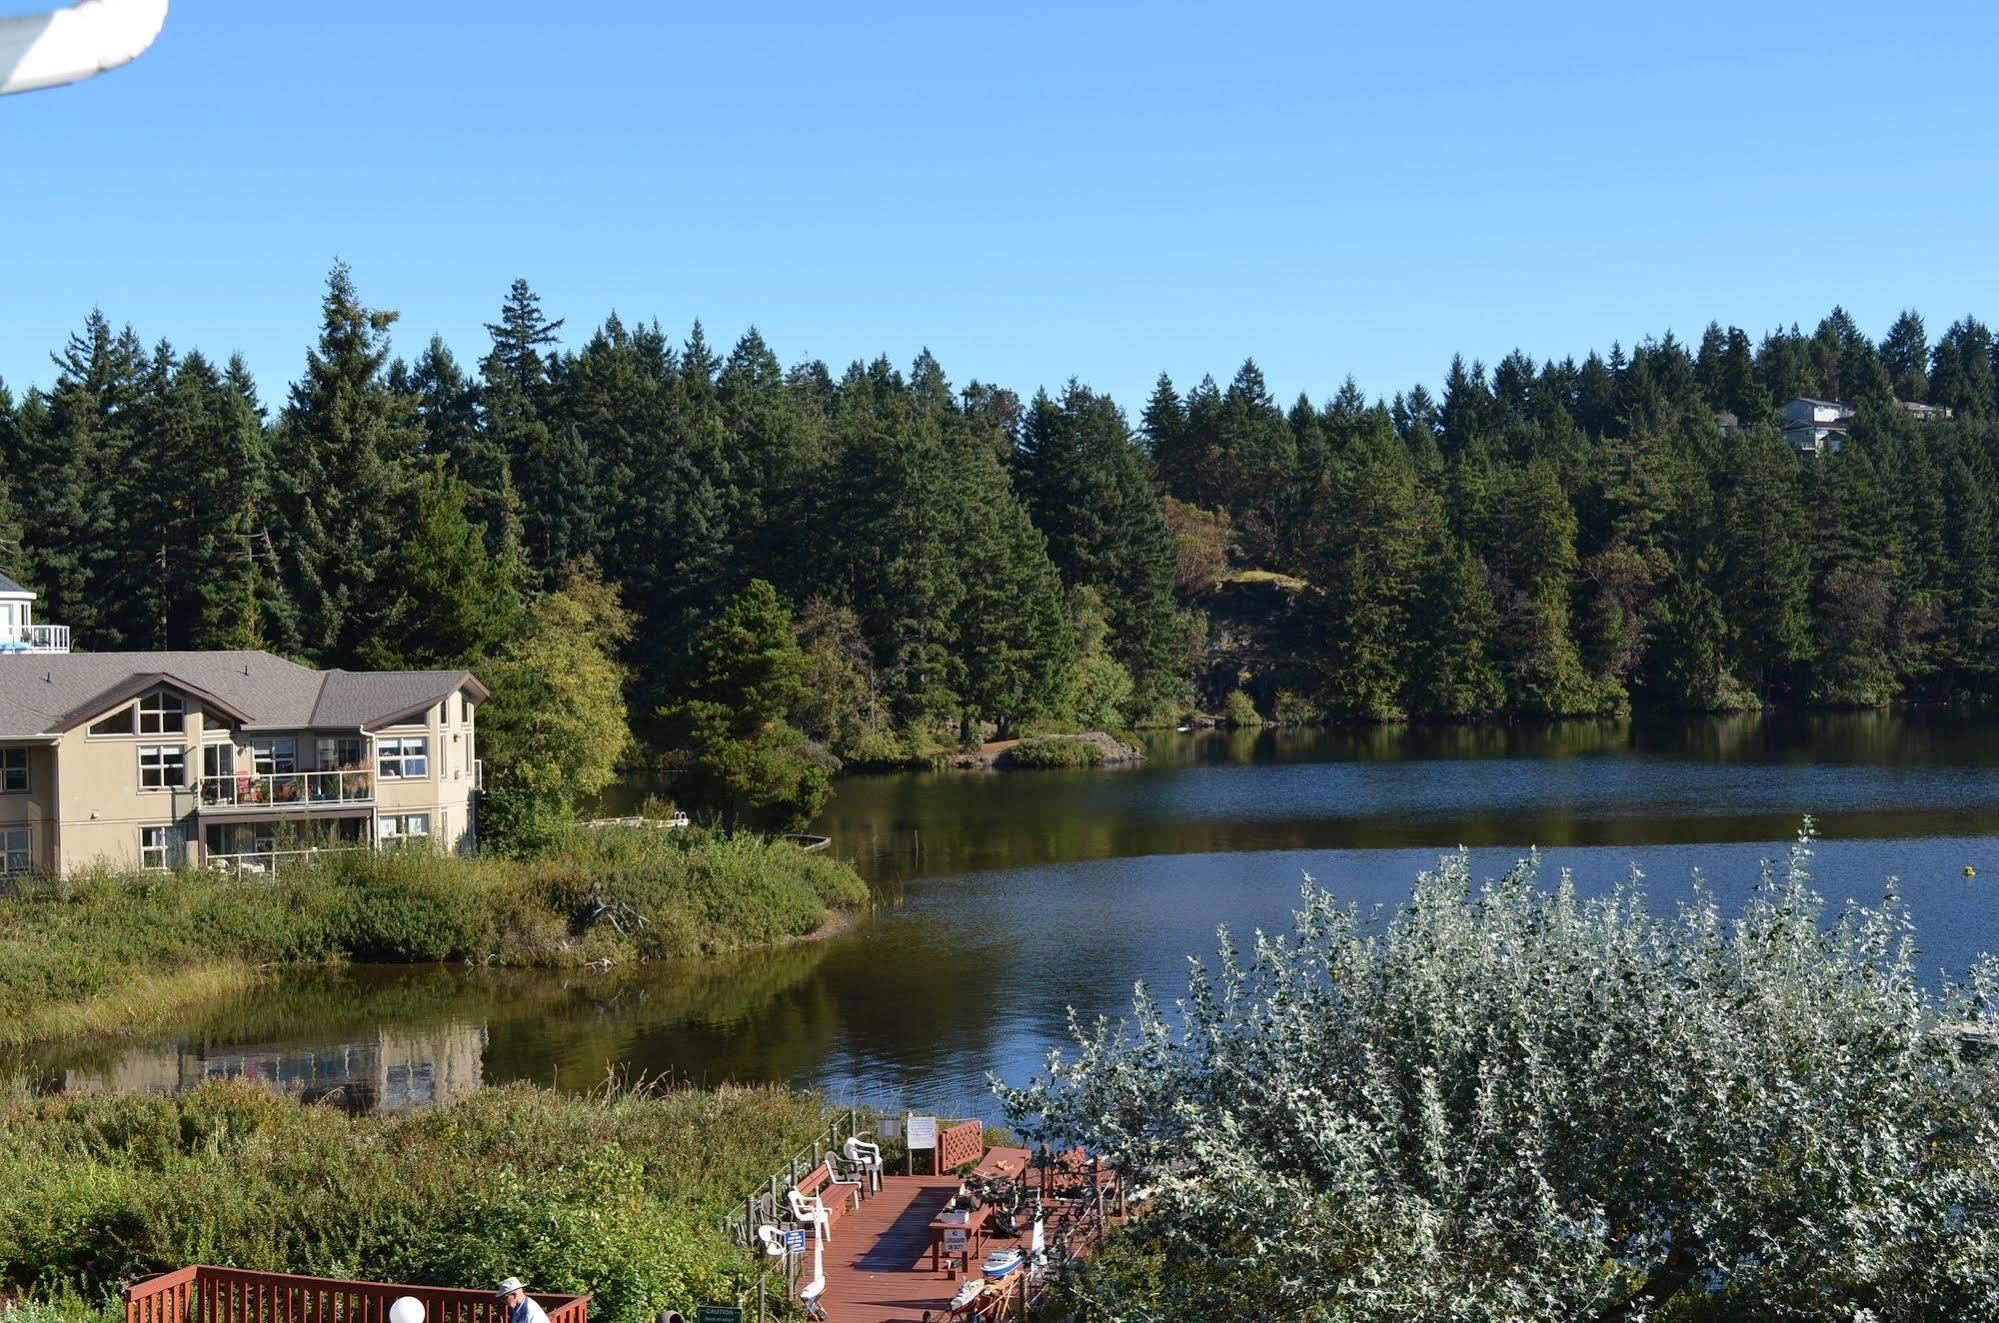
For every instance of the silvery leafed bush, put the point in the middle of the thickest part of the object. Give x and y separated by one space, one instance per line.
1506 1101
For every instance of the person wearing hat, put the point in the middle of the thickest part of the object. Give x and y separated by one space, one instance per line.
520 1309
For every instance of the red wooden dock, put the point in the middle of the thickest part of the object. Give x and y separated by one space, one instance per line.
878 1264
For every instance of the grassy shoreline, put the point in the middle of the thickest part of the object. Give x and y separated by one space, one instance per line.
109 952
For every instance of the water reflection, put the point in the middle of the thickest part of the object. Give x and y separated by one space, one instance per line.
1007 900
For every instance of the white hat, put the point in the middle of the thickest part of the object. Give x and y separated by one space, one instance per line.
508 1287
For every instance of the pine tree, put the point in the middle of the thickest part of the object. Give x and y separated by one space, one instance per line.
343 460
742 680
777 449
206 434
1012 629
1087 488
1366 568
1257 459
77 458
1905 353
1961 372
1452 671
451 603
1538 652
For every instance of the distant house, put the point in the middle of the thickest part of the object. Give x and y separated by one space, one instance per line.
1727 423
236 760
1815 427
1924 413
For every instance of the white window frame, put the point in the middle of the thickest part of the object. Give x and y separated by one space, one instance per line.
399 752
266 755
17 853
12 761
402 828
155 709
153 856
153 758
218 747
125 710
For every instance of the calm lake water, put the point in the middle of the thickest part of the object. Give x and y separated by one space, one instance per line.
1006 900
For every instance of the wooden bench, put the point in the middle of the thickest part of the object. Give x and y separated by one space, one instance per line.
839 1197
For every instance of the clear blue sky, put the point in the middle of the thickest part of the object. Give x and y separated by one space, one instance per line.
1033 191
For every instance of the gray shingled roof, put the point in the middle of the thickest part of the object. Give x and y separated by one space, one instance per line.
7 585
42 694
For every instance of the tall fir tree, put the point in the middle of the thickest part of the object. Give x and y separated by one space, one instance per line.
345 458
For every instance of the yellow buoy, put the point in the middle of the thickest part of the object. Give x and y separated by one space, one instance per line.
1969 871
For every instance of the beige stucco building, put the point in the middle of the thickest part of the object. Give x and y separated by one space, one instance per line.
227 759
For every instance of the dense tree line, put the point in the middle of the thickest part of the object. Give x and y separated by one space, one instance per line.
1537 539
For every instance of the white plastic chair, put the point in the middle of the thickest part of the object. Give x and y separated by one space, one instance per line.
809 1208
866 1159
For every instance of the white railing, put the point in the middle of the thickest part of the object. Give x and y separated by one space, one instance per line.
282 789
34 638
259 863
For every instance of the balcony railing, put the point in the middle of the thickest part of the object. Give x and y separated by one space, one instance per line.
286 789
34 638
260 863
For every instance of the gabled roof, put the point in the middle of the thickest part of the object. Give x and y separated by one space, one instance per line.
44 694
8 588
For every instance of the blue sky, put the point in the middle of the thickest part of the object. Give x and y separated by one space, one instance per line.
1033 191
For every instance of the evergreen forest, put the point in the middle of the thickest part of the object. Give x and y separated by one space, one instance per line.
1544 538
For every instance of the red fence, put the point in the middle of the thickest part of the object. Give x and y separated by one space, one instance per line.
962 1143
204 1294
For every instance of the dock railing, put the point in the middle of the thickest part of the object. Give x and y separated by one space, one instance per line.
206 1294
768 1204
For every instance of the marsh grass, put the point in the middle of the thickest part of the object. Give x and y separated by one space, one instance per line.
112 950
620 1193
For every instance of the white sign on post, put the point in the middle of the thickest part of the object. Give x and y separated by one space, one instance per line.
922 1134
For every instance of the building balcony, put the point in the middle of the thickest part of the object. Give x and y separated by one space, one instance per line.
34 638
282 790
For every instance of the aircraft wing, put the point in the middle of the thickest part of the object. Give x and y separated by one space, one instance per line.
70 44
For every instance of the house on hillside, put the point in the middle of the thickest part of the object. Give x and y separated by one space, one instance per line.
235 760
1924 413
1816 427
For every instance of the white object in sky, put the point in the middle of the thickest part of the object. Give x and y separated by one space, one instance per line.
69 45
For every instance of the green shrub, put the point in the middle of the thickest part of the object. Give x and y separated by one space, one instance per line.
1055 751
1238 709
1291 708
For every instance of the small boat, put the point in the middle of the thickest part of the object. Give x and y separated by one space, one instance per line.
1001 1262
968 1295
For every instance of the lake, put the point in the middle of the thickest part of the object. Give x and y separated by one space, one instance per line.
1007 899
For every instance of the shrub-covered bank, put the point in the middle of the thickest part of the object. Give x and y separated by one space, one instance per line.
107 950
618 1194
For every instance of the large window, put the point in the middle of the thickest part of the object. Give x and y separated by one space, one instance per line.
162 713
13 771
405 827
14 856
156 848
342 754
277 756
118 723
162 766
405 759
